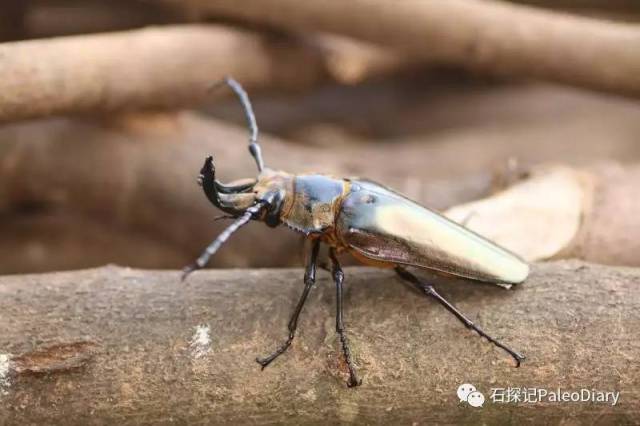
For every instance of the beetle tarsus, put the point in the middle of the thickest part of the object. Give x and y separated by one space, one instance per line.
353 378
264 362
187 270
309 281
428 290
338 278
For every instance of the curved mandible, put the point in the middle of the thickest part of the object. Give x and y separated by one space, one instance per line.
254 148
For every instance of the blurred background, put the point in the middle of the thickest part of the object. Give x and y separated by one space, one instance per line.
107 117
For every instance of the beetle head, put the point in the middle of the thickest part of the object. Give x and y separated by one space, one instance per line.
268 190
260 198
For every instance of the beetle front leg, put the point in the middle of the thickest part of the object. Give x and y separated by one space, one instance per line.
430 291
309 280
338 277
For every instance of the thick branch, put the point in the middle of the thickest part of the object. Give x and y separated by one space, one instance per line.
116 345
170 67
486 35
561 212
149 68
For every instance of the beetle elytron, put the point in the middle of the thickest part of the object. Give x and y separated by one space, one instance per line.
376 225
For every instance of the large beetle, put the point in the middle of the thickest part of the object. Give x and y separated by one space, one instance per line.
376 225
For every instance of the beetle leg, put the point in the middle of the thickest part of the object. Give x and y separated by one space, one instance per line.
309 280
338 277
430 291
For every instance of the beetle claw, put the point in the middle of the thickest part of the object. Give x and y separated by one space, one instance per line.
354 382
262 362
519 358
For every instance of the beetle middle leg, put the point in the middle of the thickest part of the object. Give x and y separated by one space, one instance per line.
309 280
430 291
338 277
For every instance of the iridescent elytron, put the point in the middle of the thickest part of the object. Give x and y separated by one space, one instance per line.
376 225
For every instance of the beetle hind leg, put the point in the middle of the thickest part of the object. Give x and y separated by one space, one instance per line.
428 290
338 277
309 280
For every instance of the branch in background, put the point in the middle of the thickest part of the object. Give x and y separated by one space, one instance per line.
138 172
45 18
149 68
12 19
492 36
161 349
45 238
559 212
168 67
620 6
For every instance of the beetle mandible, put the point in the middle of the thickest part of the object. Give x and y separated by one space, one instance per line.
373 223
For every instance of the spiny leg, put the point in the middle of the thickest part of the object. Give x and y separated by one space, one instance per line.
338 277
309 280
430 291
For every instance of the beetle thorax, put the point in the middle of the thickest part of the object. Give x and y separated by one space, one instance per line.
271 181
312 205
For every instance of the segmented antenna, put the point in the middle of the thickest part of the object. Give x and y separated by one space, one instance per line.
212 248
254 147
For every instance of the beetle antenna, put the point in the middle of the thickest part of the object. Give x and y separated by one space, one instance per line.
212 248
254 147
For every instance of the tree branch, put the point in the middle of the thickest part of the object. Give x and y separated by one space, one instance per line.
170 67
128 346
149 68
484 35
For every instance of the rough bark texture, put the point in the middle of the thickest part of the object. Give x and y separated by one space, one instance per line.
117 345
487 35
149 68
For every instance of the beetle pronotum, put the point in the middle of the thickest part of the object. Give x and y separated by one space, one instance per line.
375 224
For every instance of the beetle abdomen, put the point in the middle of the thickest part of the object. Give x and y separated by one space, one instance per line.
386 226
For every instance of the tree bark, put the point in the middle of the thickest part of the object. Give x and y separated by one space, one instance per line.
117 345
491 36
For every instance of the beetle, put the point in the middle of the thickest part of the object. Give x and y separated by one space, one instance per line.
375 224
